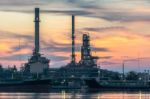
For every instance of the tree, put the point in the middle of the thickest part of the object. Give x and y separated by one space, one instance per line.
132 76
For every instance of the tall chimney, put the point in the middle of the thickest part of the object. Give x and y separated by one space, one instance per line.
73 39
37 21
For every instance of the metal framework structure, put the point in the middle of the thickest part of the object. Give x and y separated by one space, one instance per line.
86 56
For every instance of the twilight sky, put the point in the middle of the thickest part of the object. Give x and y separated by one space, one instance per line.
119 29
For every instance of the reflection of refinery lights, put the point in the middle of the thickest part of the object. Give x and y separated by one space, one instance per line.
63 95
140 97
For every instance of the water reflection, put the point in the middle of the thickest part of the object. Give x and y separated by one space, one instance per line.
77 95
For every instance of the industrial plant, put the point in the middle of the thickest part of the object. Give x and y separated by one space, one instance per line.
39 66
36 74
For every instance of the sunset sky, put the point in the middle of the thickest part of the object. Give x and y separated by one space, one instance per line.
119 29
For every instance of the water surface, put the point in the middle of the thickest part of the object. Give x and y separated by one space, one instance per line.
77 95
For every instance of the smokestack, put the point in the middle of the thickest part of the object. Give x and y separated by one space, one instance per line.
37 21
73 39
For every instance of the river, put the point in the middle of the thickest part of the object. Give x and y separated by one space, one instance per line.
77 95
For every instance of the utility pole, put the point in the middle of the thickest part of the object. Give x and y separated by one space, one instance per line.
123 76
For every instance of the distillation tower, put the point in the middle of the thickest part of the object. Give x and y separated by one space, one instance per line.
86 56
36 64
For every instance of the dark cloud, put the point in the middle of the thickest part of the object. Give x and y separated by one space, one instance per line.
25 57
21 2
109 63
20 47
68 7
123 16
90 8
105 29
7 34
68 12
94 4
105 57
60 47
49 46
53 46
16 57
100 49
58 58
63 12
10 35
